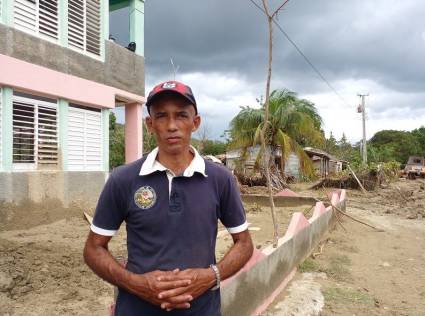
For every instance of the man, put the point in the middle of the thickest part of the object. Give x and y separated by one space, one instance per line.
171 202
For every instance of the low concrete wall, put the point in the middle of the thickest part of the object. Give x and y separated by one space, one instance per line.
279 201
67 188
268 271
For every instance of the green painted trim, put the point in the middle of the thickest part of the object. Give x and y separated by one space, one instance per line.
118 5
2 10
7 12
137 25
105 127
63 109
63 23
7 128
104 26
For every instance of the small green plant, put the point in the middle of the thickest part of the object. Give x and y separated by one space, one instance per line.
347 295
338 268
309 265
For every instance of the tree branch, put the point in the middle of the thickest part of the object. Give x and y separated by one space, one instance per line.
278 9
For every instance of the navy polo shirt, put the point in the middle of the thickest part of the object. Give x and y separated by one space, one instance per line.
171 222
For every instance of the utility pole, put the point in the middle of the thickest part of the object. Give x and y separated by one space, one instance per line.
361 109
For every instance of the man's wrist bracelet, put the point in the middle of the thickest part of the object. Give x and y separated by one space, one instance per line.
217 277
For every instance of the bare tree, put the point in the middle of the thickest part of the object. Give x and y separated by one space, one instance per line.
267 151
203 134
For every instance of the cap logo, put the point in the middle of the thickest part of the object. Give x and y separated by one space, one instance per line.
145 197
169 85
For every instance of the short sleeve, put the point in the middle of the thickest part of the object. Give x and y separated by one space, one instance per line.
110 210
232 213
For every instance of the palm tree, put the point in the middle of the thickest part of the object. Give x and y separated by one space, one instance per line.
293 123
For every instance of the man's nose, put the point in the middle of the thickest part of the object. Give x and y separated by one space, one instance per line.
172 126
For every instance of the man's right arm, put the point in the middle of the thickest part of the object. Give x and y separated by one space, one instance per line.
146 286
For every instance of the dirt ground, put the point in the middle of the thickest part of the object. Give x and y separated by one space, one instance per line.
361 272
42 270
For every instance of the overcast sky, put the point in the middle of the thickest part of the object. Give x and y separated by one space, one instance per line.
361 46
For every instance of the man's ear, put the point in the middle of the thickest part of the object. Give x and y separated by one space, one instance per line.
148 121
196 122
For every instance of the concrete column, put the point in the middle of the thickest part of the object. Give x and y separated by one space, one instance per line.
7 128
137 25
133 132
105 128
104 30
7 12
63 107
63 23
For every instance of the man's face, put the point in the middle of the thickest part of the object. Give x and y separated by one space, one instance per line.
172 120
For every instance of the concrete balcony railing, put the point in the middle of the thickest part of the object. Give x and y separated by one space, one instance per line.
121 68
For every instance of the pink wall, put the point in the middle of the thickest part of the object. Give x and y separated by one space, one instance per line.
25 76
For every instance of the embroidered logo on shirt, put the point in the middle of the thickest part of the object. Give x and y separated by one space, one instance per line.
145 197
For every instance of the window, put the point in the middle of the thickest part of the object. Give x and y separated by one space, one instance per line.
38 17
84 25
35 132
85 139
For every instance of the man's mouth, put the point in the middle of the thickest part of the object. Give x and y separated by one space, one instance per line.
173 139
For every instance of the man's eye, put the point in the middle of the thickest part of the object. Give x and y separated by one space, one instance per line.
159 115
183 114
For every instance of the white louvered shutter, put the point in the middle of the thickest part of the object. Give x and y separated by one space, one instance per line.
47 132
93 26
24 131
48 18
84 25
76 23
25 15
35 132
39 17
84 140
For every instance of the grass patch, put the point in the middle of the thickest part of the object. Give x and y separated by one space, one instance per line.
347 295
309 265
337 268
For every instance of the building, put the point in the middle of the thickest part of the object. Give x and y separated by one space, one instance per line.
60 76
324 163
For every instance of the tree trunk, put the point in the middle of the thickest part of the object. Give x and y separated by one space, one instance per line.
264 129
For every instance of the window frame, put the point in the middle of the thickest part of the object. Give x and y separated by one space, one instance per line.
36 102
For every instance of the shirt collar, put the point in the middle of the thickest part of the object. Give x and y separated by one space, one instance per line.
150 165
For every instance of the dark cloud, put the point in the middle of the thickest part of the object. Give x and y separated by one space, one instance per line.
372 46
381 41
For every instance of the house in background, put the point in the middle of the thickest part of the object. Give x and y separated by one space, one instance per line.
60 76
324 163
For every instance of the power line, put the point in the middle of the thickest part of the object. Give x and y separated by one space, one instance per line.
304 56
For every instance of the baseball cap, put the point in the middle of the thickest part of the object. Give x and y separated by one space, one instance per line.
172 86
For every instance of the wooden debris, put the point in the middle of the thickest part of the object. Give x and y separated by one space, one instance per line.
356 220
401 194
339 220
88 218
357 179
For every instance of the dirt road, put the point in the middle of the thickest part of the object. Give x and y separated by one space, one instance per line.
364 272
